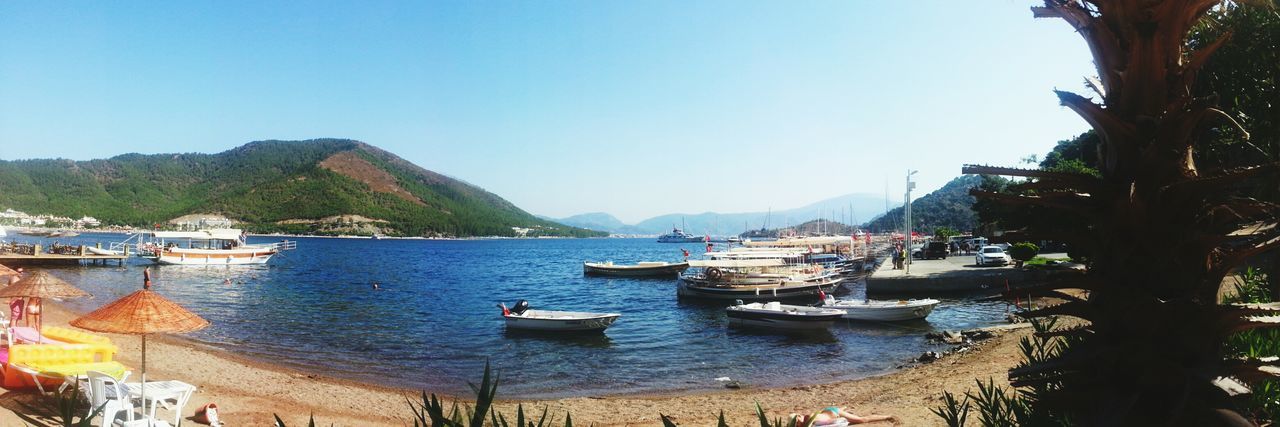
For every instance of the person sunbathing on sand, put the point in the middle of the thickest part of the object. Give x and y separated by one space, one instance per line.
832 415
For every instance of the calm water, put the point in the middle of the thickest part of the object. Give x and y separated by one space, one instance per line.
434 323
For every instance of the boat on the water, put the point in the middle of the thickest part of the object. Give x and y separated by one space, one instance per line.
756 280
774 314
521 316
100 251
640 269
222 246
678 236
882 311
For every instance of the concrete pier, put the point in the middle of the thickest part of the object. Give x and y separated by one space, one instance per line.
956 274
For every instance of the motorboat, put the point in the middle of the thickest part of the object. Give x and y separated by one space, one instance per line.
640 269
774 314
521 316
881 311
223 246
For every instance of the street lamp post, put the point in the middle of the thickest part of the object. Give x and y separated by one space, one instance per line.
907 219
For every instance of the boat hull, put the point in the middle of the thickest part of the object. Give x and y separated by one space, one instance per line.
780 319
771 292
680 240
910 310
596 322
213 257
665 270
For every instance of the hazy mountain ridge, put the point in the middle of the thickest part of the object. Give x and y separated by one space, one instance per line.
865 206
949 206
266 185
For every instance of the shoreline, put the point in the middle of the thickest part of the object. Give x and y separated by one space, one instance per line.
250 392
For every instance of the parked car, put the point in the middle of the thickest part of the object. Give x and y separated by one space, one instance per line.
935 250
991 255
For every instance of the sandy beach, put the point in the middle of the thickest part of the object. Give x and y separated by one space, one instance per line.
249 392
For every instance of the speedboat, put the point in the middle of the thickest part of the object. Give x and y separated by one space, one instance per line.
774 314
521 316
881 311
643 268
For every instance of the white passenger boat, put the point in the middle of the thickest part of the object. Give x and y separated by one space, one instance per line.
882 311
774 314
678 236
225 246
522 317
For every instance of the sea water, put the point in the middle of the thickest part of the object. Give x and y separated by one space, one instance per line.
434 323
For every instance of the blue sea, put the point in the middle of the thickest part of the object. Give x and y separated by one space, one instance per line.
434 323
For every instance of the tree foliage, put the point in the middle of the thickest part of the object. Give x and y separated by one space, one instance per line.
950 206
1163 224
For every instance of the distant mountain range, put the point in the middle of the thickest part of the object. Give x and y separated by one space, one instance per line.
949 206
323 186
865 207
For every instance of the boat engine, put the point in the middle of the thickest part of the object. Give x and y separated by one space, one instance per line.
520 307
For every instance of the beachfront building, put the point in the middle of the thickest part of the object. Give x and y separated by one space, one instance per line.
87 222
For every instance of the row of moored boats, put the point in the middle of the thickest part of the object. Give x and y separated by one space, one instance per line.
759 277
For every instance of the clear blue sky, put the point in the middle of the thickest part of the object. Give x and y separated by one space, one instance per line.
635 108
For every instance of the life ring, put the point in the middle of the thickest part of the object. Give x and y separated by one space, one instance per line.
714 273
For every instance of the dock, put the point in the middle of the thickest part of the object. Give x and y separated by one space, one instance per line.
35 255
955 274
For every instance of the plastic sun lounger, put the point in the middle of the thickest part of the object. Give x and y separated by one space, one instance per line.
31 335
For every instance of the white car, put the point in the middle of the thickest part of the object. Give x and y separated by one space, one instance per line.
991 255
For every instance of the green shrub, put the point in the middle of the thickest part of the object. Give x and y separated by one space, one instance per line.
1023 252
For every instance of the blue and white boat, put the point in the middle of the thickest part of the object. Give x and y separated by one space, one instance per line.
678 236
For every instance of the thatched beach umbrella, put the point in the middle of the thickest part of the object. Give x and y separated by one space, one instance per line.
40 284
140 313
6 271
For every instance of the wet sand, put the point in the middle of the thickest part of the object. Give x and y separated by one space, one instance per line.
249 392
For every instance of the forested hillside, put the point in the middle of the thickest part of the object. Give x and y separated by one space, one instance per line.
270 186
949 206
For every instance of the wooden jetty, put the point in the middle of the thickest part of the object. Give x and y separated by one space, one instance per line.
81 256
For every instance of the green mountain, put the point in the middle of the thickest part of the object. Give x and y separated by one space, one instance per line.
325 186
949 206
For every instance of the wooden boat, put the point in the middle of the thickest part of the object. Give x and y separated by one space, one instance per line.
774 314
640 269
755 280
882 311
522 317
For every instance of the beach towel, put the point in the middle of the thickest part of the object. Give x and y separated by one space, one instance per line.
31 335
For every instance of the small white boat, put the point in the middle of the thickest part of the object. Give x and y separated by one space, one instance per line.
882 311
100 251
522 317
643 268
774 314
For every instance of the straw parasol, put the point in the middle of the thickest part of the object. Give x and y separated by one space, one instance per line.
6 271
140 313
40 284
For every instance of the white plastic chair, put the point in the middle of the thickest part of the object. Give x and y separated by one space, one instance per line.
111 394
